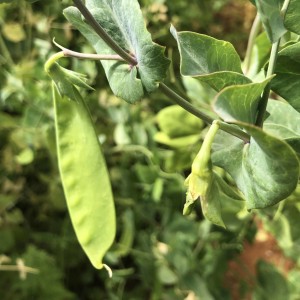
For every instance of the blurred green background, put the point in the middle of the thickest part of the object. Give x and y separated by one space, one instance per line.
158 254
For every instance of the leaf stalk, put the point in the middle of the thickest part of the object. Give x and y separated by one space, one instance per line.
103 34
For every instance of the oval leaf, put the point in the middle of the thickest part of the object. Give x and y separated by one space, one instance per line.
266 170
213 61
239 102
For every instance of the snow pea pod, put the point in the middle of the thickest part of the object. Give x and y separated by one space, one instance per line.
84 176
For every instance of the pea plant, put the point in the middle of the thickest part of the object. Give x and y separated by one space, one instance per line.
253 135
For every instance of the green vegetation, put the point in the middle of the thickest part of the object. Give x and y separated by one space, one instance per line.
149 147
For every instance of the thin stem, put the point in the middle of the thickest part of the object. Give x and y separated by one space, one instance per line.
271 67
198 113
52 59
71 53
251 42
103 34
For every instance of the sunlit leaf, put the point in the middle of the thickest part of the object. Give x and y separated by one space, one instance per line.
210 60
124 22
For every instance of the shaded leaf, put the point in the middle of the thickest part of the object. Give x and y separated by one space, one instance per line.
266 170
271 284
284 123
270 15
286 82
124 23
292 17
240 102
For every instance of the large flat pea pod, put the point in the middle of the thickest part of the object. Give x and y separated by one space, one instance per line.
84 177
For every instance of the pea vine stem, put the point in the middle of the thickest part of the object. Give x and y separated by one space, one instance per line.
103 34
164 88
92 56
271 68
231 129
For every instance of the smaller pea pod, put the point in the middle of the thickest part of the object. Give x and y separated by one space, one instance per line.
84 175
206 184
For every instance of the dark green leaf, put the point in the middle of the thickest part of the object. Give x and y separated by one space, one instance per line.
269 12
292 16
266 170
286 82
270 283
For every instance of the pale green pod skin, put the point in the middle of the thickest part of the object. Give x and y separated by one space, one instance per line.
84 177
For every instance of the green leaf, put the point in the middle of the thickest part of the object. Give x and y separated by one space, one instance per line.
240 102
84 177
266 170
286 82
210 60
270 15
177 143
124 22
177 122
284 123
270 283
292 17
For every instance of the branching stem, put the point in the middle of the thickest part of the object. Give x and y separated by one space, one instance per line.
165 89
103 34
71 53
198 113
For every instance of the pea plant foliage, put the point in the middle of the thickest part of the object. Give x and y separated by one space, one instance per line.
254 137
